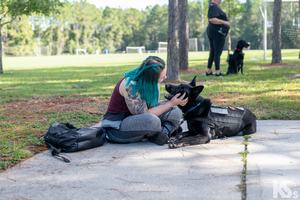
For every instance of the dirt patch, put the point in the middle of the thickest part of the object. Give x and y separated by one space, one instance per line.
280 65
189 71
90 104
293 75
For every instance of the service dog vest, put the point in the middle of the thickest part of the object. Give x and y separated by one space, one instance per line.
227 120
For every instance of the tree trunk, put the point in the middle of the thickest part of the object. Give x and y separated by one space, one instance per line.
85 33
51 41
299 21
276 38
1 69
94 43
77 32
183 35
173 66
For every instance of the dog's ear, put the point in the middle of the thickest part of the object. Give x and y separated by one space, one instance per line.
197 90
193 82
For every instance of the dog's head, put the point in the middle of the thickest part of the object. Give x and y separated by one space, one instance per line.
242 44
191 91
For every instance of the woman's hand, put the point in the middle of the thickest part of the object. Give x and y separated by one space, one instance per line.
176 100
179 101
226 23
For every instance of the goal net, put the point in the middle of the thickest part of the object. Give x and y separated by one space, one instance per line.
162 47
261 39
139 50
193 45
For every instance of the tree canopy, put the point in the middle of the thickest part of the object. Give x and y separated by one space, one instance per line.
43 24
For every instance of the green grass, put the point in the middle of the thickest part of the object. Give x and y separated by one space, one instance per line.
268 91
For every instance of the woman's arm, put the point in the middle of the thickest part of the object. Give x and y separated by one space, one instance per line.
218 21
135 103
160 109
138 106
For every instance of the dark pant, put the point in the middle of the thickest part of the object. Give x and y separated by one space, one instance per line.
216 43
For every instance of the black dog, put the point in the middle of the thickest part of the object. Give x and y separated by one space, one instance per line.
206 122
236 61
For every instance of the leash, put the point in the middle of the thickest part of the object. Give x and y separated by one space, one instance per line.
176 127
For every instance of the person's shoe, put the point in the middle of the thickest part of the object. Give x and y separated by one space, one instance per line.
220 75
209 74
159 139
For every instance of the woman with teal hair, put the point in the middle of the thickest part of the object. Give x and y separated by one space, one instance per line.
135 112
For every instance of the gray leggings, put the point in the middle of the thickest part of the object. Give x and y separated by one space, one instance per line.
136 127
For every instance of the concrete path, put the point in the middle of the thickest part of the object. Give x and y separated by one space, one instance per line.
274 161
147 171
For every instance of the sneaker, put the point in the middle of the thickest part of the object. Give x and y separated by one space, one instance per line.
220 75
209 74
159 139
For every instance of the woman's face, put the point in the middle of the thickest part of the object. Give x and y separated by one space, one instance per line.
163 75
218 2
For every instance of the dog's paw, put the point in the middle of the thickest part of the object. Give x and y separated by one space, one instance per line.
173 143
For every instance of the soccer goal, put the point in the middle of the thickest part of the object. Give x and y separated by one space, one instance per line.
264 15
139 50
162 47
193 45
80 50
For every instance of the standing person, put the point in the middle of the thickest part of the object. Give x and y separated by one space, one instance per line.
135 112
216 31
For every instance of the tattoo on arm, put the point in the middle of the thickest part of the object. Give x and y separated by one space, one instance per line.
162 102
135 103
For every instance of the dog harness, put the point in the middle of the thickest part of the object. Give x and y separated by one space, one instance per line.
227 122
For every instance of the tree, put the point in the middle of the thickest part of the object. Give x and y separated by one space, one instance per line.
250 26
173 68
276 37
183 35
134 33
232 8
11 9
113 28
18 37
197 12
156 26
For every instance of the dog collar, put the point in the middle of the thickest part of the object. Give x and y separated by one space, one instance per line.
238 49
192 108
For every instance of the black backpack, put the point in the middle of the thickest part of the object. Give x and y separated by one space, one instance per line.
64 137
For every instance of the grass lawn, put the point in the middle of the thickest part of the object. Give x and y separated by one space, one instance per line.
38 91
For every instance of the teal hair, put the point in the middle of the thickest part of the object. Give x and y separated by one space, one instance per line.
146 78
